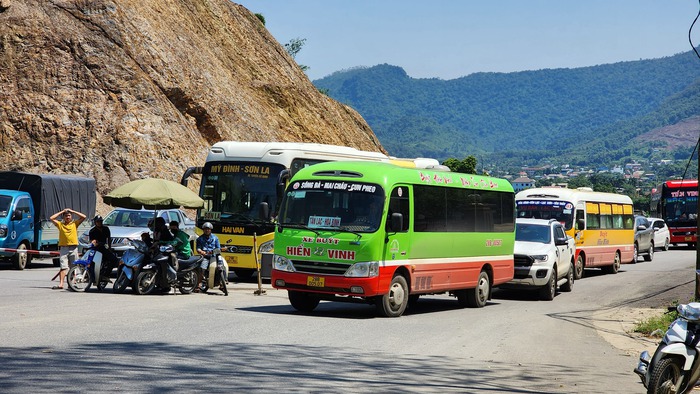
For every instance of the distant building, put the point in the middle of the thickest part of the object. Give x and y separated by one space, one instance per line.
522 183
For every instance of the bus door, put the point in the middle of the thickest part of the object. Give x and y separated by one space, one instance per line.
580 224
397 243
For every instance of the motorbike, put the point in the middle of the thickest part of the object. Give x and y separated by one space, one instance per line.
217 274
162 273
130 265
88 271
675 365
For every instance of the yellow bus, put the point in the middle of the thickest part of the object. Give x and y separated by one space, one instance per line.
242 186
601 223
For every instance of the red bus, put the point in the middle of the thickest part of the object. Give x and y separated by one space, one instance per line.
676 202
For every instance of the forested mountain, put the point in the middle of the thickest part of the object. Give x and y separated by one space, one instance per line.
589 114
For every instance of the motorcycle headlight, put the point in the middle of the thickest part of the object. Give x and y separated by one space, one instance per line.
267 247
363 270
282 263
166 248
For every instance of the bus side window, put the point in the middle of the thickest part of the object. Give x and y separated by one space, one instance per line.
398 203
580 220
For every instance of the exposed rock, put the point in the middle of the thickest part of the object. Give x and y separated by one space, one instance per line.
120 90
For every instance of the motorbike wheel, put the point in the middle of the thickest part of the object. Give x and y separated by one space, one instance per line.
222 284
665 376
79 278
204 286
121 283
146 282
188 283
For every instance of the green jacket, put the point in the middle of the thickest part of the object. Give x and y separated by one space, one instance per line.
181 243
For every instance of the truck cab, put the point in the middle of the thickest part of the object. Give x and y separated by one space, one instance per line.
16 225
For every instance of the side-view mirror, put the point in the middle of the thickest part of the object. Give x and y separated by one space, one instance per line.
580 224
264 211
560 241
17 215
641 227
396 223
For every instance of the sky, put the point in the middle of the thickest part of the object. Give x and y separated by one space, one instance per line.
449 39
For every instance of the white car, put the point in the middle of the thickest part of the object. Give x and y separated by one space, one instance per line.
126 224
662 237
544 257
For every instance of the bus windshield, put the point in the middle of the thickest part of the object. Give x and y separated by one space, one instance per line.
562 211
5 202
343 206
233 191
681 205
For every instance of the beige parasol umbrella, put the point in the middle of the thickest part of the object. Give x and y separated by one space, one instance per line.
153 193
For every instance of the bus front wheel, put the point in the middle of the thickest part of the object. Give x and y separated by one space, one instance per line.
393 303
303 302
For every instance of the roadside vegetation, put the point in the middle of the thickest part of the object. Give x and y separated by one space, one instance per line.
649 326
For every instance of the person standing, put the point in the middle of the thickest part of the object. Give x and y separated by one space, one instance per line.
67 240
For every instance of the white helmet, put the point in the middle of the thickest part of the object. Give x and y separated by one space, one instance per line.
207 225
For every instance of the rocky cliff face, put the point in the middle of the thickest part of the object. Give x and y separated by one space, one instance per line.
124 89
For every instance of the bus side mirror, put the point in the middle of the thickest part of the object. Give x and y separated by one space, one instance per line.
580 224
264 211
396 223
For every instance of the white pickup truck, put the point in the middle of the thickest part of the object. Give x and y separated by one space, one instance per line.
544 257
125 224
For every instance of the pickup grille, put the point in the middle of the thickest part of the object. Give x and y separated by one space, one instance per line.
320 267
521 260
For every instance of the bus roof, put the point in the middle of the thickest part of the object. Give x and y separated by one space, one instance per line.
572 195
285 152
682 183
380 173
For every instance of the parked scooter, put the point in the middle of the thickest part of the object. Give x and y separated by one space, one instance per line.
160 273
130 265
88 271
217 274
675 366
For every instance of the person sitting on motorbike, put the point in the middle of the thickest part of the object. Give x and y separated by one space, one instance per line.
206 243
101 238
181 241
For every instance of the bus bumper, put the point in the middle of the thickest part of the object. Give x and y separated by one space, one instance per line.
334 285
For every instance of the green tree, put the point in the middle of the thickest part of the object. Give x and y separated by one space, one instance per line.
261 18
465 166
293 47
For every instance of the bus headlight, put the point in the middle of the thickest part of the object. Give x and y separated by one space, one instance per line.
363 270
282 263
267 247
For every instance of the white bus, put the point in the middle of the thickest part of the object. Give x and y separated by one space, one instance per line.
601 223
242 186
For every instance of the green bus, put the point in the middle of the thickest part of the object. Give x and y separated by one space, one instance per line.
385 235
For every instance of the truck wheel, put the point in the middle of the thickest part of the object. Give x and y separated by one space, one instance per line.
394 302
569 285
21 261
549 290
635 254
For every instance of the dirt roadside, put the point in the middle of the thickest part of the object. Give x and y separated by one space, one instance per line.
616 324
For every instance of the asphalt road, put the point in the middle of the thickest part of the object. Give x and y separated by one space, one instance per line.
60 341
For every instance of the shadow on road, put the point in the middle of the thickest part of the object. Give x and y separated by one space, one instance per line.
163 367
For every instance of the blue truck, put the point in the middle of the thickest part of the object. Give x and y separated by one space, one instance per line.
27 201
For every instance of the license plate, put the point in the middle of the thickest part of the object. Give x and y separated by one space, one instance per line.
315 281
233 260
